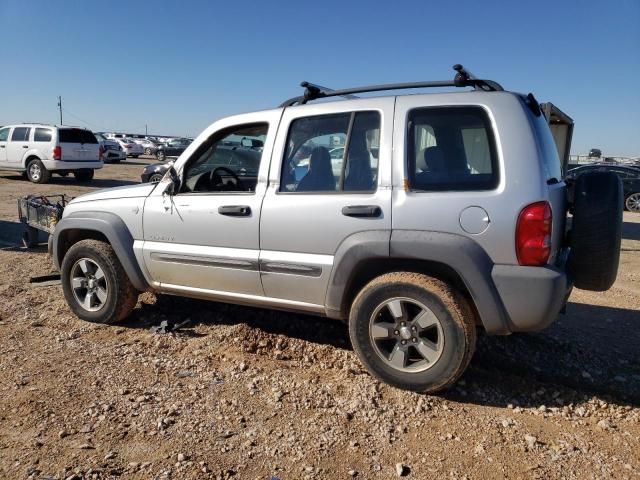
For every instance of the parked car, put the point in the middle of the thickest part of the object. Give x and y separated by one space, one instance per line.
153 173
149 146
39 150
460 225
112 152
174 148
629 175
131 148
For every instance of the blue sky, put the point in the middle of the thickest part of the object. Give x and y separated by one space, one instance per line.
179 66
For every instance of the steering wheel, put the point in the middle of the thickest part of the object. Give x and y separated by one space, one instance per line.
215 179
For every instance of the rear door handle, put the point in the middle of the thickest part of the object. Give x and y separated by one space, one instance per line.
25 146
362 211
235 210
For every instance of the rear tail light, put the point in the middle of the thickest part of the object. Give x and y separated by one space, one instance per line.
533 234
57 153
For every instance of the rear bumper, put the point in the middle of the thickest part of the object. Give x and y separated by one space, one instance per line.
532 296
54 165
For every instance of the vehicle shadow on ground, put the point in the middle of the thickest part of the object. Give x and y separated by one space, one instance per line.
70 180
591 350
630 231
304 327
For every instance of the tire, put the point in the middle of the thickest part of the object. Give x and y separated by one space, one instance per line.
156 177
93 264
83 175
160 155
36 172
632 202
63 173
30 237
596 231
135 156
147 151
444 329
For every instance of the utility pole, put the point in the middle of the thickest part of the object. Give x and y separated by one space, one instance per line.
60 107
145 130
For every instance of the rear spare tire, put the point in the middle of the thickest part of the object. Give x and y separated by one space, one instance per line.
596 231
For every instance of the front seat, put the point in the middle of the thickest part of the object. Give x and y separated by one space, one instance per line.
319 177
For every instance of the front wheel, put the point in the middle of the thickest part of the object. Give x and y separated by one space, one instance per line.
94 283
83 175
160 155
147 151
412 331
632 203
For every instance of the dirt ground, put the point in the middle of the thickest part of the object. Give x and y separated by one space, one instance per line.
250 393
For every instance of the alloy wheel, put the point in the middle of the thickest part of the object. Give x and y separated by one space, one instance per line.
89 284
406 335
35 172
633 202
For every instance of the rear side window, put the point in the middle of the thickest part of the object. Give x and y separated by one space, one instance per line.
332 153
76 135
20 134
4 134
42 135
451 148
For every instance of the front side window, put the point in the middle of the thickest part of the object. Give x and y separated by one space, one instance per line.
224 164
330 153
4 134
20 134
451 148
42 135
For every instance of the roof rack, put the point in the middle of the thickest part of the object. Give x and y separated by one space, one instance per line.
462 78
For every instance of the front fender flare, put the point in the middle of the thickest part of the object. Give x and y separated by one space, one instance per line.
113 228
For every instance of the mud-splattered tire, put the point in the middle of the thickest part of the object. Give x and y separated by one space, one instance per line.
94 283
412 331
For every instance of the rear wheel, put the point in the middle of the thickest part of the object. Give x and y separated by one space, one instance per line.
83 175
94 283
412 331
632 203
147 151
36 172
160 155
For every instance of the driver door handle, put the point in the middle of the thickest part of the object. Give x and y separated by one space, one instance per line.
235 210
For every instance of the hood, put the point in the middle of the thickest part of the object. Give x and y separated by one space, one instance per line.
129 191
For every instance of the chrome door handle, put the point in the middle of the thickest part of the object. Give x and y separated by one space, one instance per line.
25 146
235 210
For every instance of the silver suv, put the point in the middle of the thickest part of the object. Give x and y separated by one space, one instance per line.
446 212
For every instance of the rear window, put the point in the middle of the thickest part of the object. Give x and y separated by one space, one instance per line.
451 148
550 159
42 135
76 135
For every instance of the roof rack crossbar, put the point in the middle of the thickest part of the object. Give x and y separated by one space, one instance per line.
463 78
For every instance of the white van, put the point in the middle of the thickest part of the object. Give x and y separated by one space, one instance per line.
40 150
